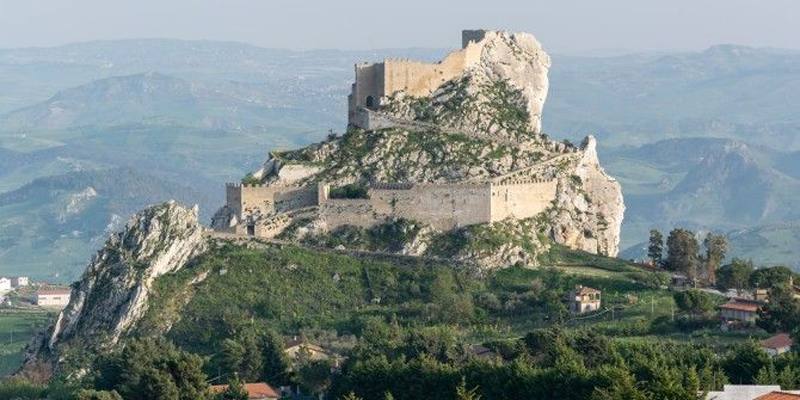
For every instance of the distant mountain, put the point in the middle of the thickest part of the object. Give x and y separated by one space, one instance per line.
154 99
708 184
726 91
49 227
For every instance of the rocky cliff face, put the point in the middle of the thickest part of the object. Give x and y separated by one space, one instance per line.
113 292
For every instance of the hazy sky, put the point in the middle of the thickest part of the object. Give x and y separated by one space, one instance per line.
562 25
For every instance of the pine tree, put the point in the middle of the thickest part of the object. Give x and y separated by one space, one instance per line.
655 250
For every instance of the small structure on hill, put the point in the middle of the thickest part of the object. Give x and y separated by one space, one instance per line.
584 299
5 285
53 297
255 391
299 349
483 352
753 392
740 310
778 344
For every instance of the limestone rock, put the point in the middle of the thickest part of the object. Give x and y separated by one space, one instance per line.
112 294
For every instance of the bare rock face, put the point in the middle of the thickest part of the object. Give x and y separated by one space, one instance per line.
519 60
589 206
113 291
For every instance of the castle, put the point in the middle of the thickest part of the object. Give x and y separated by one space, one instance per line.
266 210
374 81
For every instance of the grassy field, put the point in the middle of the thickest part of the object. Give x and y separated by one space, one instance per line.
16 329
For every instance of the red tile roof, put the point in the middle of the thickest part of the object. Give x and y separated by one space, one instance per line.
258 390
740 306
778 396
778 341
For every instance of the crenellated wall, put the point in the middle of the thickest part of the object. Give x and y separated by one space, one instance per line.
522 199
374 81
443 206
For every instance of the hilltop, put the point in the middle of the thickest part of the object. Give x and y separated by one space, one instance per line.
457 150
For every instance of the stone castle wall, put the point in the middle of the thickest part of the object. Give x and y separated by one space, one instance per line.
264 200
443 206
416 78
522 199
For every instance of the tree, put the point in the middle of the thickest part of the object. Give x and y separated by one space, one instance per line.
152 369
242 355
682 249
770 277
234 391
716 248
693 301
315 375
462 393
744 362
89 394
655 249
735 275
782 313
275 367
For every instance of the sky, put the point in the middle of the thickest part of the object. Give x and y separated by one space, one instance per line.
565 26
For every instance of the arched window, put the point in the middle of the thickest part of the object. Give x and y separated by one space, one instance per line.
370 102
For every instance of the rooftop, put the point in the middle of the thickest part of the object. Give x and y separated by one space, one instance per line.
258 390
778 341
738 305
778 396
582 290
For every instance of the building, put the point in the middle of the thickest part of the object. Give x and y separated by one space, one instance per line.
376 81
5 285
255 391
753 392
778 344
740 310
584 299
53 297
297 349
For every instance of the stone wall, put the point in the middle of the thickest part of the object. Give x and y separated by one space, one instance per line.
443 206
522 199
415 78
264 200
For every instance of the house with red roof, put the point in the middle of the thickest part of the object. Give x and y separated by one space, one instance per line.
255 391
740 310
778 344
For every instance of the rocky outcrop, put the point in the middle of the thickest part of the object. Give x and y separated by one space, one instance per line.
588 209
483 125
112 294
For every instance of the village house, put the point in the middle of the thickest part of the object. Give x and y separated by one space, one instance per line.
753 392
5 285
584 299
53 297
298 349
740 310
255 391
777 345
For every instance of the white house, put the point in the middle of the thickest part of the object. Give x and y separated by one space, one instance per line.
5 285
58 297
752 392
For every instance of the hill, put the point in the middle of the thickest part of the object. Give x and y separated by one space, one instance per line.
52 225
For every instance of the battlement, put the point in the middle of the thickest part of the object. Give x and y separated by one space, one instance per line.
376 81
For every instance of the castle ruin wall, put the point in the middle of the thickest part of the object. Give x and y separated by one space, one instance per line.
521 200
